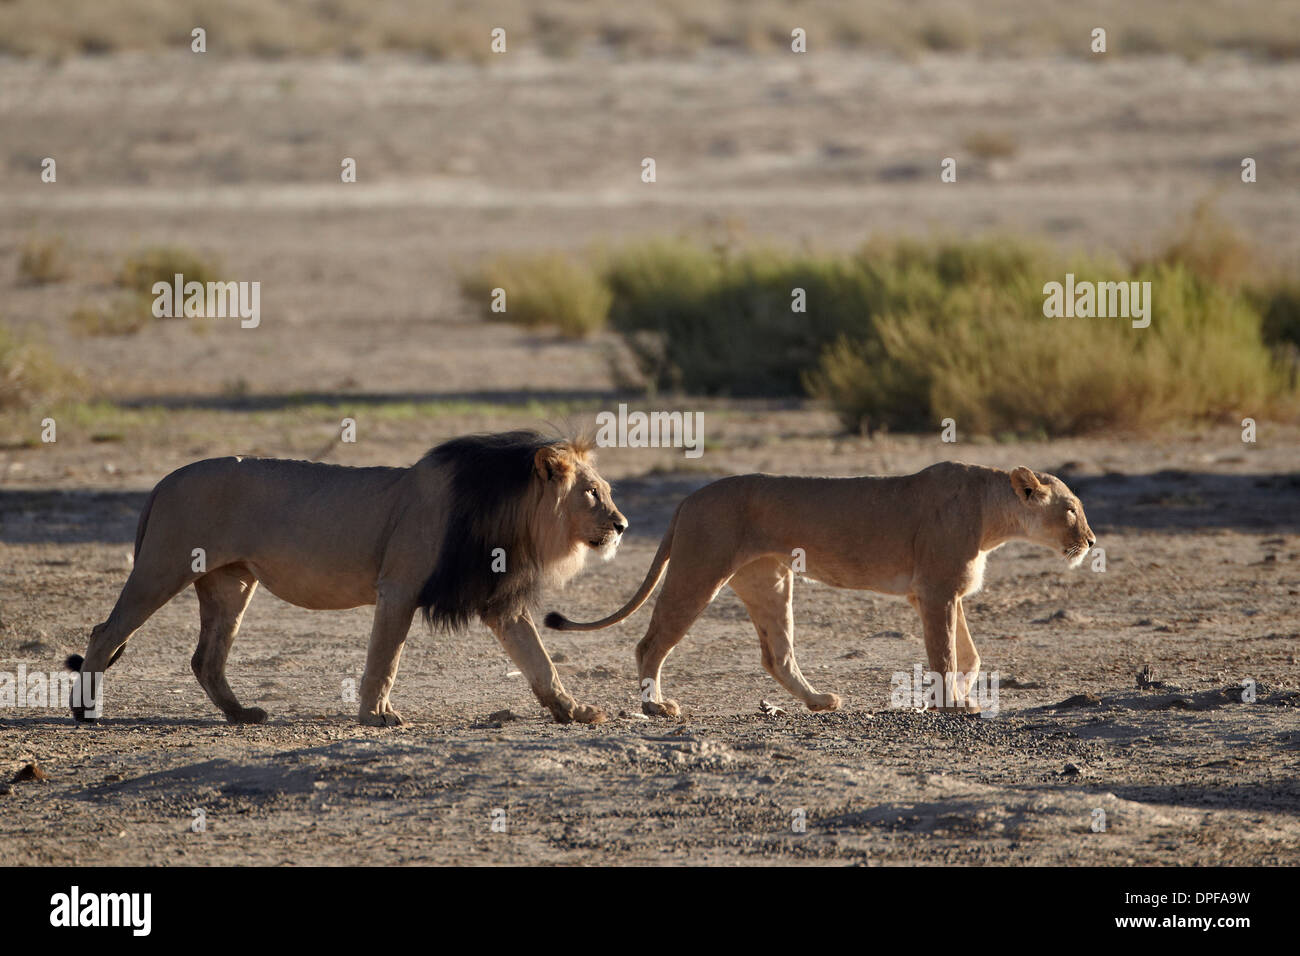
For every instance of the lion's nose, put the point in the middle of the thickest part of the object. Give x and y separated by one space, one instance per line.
620 525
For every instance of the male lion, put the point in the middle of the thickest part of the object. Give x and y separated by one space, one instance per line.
925 536
473 529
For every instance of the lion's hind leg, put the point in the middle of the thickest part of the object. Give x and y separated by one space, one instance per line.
223 597
147 588
767 588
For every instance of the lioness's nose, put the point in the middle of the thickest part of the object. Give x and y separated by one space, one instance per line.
1092 539
620 524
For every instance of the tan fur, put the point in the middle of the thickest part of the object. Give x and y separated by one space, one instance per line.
329 537
924 536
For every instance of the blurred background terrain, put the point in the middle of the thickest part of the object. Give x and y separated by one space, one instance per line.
775 170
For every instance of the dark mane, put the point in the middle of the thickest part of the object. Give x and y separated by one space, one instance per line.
490 478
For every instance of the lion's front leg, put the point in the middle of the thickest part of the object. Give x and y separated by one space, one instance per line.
387 636
521 641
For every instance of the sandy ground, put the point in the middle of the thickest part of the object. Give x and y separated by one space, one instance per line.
1202 571
239 161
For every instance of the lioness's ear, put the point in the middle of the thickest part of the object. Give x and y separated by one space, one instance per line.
552 464
1027 485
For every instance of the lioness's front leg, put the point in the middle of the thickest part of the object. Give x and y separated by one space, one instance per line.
521 641
939 623
968 658
393 616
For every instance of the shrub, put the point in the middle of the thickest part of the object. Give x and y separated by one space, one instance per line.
546 290
125 315
903 333
29 374
147 266
42 260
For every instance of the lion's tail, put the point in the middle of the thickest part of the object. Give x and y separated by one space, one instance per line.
559 622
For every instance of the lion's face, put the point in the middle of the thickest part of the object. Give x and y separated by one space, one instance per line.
1053 515
588 518
593 517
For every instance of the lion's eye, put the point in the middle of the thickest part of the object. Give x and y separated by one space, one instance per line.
591 493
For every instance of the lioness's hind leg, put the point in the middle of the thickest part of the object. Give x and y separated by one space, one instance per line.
767 588
223 596
686 593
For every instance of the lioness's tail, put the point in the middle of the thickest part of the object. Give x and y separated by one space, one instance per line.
559 622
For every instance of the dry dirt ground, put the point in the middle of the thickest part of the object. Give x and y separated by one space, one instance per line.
1202 572
361 317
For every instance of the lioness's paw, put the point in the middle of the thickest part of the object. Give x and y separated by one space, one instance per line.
247 715
381 718
824 702
967 708
665 708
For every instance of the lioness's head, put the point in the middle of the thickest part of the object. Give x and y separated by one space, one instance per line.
1053 516
581 497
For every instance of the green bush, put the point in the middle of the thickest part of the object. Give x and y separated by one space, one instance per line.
1279 305
904 333
42 260
147 266
989 359
29 374
698 320
545 290
125 315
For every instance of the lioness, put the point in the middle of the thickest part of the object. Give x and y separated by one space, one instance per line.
473 529
925 536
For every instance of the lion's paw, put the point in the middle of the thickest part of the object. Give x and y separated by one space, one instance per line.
247 715
661 708
824 702
589 714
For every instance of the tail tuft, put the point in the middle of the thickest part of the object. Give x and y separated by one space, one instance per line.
74 662
556 621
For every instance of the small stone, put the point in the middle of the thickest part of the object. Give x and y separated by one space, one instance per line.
31 771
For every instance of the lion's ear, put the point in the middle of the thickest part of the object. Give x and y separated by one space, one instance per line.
1027 485
551 464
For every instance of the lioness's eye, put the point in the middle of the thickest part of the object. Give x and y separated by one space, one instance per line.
1070 512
